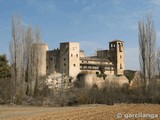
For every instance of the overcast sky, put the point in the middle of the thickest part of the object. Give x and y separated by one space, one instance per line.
93 23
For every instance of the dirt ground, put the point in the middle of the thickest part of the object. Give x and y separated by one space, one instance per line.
86 112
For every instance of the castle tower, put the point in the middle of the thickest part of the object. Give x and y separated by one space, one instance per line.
116 49
39 51
69 58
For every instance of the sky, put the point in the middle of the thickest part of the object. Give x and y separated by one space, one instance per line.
92 23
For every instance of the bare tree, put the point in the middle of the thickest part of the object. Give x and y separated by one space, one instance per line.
25 58
16 55
27 46
142 50
158 61
35 63
151 48
147 47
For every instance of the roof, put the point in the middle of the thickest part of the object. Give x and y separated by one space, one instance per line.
68 42
81 50
117 41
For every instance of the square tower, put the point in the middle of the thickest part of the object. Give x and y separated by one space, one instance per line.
116 49
69 58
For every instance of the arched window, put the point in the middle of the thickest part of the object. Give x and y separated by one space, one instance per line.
120 47
121 66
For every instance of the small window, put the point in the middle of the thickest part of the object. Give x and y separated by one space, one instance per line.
70 80
47 67
64 64
120 66
71 55
51 58
74 65
64 59
55 66
121 56
76 55
120 47
82 61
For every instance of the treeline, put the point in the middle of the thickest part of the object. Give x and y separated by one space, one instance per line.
112 93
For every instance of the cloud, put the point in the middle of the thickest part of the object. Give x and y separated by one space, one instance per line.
89 7
114 21
41 6
106 20
155 2
75 1
118 4
86 12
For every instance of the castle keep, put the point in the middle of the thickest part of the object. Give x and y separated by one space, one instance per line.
70 60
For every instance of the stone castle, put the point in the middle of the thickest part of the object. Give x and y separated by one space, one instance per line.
70 60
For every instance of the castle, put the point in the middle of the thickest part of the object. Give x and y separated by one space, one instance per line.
70 60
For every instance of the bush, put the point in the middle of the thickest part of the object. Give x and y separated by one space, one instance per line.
5 91
102 75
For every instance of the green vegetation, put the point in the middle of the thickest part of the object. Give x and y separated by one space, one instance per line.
5 81
129 74
102 75
4 67
102 69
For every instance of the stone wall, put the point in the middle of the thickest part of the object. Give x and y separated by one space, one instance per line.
91 79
